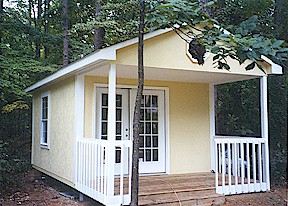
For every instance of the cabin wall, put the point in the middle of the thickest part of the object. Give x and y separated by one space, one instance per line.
189 121
58 160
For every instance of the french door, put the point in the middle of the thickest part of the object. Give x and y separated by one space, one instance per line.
152 126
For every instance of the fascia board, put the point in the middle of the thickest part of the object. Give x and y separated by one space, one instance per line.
275 68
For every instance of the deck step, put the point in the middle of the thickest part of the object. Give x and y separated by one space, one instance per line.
204 196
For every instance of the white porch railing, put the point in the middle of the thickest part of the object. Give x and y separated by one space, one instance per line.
93 175
241 165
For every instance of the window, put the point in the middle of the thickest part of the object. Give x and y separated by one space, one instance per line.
44 138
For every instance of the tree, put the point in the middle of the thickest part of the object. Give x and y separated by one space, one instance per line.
99 31
184 16
65 33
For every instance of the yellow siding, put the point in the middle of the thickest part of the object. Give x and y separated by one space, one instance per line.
58 160
189 121
169 51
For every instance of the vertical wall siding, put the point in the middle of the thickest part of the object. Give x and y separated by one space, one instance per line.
58 160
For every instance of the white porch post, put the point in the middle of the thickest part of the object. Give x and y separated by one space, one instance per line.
264 127
212 125
79 120
111 129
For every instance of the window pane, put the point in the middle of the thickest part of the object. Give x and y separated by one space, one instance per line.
155 114
148 154
147 100
141 154
141 141
148 128
104 113
118 100
142 114
104 128
44 131
104 99
147 114
154 101
118 114
155 141
118 137
155 154
141 128
148 141
118 128
155 128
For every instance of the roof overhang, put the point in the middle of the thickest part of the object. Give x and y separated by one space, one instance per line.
92 64
97 57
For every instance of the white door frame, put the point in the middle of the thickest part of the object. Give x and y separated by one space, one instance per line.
166 117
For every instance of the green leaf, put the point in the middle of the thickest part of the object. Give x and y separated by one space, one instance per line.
250 66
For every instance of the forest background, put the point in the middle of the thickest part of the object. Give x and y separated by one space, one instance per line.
38 37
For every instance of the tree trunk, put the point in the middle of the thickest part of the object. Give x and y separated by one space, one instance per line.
46 9
99 32
1 20
38 26
65 33
136 118
280 19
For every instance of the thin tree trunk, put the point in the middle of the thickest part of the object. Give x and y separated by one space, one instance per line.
1 20
38 26
65 33
136 119
46 9
99 32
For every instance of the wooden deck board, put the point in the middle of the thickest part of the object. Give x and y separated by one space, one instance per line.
190 189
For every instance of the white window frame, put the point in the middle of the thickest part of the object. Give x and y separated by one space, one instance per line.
44 144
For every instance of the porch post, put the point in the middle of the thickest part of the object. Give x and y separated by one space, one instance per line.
78 122
264 127
111 129
212 125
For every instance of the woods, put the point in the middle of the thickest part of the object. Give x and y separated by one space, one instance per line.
39 37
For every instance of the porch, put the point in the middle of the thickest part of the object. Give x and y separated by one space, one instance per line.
241 167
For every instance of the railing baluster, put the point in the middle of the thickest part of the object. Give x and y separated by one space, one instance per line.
223 164
229 166
260 164
217 165
236 167
242 165
248 163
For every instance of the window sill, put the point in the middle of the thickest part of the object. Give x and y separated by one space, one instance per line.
44 146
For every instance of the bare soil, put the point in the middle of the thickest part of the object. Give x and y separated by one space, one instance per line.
37 190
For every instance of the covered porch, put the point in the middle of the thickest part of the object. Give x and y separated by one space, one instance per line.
178 106
103 165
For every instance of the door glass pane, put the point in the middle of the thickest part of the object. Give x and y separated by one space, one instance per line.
155 141
148 154
104 113
148 142
155 127
119 114
118 100
155 154
148 128
118 128
147 114
104 99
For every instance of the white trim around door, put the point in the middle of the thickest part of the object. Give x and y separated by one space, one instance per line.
154 137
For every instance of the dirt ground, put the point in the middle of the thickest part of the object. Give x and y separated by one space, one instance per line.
37 190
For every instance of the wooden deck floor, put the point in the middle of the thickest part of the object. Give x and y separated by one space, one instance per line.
170 190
